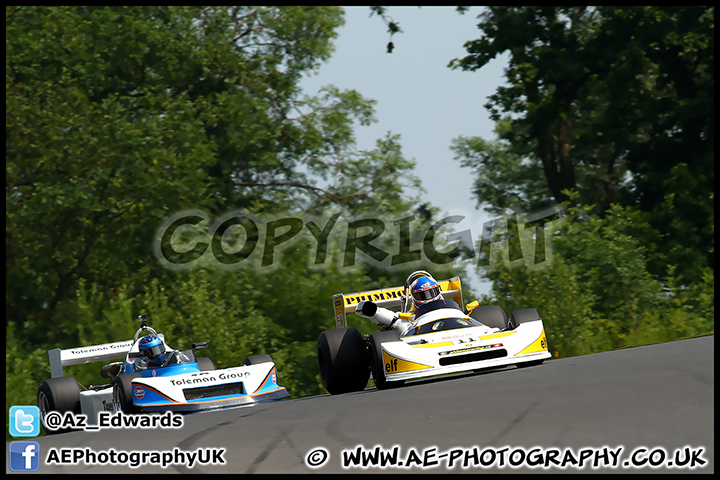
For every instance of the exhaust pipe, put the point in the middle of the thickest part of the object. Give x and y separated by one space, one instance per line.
379 315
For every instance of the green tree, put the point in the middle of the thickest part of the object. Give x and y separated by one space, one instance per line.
615 103
118 116
597 293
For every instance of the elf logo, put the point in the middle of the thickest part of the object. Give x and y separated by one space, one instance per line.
396 365
391 366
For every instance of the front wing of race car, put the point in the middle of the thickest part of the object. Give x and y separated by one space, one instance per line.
411 359
227 387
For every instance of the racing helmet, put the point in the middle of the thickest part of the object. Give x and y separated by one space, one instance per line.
153 349
425 290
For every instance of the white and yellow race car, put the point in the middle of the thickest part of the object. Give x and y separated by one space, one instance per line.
436 339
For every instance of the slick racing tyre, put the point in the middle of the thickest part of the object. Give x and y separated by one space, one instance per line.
259 358
491 315
60 394
122 393
205 364
518 317
342 358
377 364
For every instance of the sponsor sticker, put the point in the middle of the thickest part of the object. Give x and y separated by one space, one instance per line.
139 393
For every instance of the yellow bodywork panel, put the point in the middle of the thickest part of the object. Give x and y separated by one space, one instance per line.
395 365
538 345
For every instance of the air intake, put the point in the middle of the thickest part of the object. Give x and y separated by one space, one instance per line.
213 391
473 357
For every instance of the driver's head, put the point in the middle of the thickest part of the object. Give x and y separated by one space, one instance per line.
425 290
153 349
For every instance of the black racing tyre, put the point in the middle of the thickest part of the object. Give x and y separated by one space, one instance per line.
342 358
518 317
490 315
60 394
377 364
259 358
205 364
122 393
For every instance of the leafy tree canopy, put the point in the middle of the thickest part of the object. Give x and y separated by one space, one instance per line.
119 117
615 103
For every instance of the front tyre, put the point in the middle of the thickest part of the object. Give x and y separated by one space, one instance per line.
526 315
122 393
60 394
377 363
342 358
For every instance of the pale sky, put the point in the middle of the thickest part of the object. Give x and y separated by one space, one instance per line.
418 96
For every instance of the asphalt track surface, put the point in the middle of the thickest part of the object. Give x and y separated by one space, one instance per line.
652 407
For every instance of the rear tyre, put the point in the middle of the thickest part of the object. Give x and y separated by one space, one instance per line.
342 358
491 315
255 359
61 394
377 363
518 317
205 364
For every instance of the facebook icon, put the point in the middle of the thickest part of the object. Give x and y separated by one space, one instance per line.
24 456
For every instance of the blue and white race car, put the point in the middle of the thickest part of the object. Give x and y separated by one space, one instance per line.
436 338
154 378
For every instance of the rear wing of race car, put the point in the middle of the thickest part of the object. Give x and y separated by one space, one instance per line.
80 355
344 303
